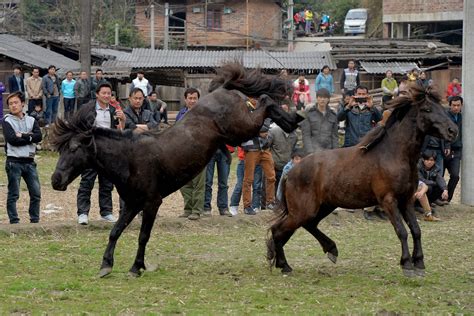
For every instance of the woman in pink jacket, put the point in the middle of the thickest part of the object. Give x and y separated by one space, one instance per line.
301 95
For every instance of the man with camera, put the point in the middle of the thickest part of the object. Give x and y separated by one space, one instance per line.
360 115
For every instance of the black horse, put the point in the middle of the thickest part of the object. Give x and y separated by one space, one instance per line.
146 168
381 170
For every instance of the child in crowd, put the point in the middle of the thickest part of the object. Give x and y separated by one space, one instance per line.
296 157
114 102
38 115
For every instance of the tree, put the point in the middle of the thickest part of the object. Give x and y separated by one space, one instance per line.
62 18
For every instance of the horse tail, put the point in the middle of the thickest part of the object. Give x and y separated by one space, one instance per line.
281 212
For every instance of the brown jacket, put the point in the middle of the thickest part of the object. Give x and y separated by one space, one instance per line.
33 87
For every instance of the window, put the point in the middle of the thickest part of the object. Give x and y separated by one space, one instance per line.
214 19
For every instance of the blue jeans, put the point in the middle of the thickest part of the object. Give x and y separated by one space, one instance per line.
257 186
69 104
51 109
308 26
223 168
27 171
439 159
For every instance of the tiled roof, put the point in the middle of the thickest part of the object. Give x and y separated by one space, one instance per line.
375 67
32 54
147 58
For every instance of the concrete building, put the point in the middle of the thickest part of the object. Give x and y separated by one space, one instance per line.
441 19
212 23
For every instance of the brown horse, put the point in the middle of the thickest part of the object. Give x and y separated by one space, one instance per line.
148 167
381 169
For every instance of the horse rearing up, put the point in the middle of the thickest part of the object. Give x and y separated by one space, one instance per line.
381 169
146 168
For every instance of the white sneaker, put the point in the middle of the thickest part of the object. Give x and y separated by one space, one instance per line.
109 218
83 219
234 210
257 209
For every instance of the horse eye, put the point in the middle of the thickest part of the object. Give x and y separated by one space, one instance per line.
426 110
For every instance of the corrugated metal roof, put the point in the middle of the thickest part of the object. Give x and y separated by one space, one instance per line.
147 58
111 53
375 67
29 53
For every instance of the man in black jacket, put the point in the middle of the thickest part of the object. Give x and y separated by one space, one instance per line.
15 81
453 151
430 175
137 118
106 116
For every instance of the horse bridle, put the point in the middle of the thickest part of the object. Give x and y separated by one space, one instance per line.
247 100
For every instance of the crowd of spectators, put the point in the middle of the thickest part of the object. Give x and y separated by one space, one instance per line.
263 161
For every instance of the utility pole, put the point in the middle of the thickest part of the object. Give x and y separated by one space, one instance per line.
292 26
86 32
247 23
205 25
116 34
467 175
152 26
167 26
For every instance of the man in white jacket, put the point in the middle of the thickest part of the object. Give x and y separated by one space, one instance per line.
141 82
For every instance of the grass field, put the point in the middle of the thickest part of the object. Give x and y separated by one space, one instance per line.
217 266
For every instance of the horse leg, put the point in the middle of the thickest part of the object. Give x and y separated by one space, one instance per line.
390 205
281 233
287 121
328 245
125 218
149 215
417 255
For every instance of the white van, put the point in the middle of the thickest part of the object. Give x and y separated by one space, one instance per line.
356 21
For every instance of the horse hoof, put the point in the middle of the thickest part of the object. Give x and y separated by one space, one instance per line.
286 270
332 257
105 271
409 273
134 274
419 272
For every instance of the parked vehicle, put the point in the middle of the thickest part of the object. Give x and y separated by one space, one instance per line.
356 21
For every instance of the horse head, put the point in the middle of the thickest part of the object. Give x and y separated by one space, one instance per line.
76 146
259 91
432 118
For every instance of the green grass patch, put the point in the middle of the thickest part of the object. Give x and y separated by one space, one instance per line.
218 266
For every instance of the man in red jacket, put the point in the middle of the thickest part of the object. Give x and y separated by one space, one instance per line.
454 89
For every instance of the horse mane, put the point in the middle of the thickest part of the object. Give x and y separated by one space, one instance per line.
82 123
400 106
252 83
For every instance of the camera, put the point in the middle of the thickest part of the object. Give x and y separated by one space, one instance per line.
360 99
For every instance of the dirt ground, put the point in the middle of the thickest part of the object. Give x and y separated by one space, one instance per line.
61 206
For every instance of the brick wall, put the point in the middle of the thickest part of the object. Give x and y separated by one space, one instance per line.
421 6
264 22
